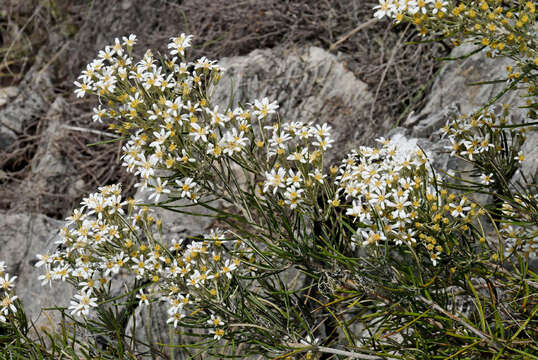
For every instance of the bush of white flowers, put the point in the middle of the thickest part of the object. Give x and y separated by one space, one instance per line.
371 258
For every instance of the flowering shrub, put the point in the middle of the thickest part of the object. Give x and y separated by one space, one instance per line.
502 28
492 144
376 257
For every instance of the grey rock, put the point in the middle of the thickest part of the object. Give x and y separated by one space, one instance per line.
26 107
47 161
452 95
49 168
22 237
451 90
309 84
438 157
177 224
8 93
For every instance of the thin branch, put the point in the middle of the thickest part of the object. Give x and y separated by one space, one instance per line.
97 132
351 33
324 349
389 63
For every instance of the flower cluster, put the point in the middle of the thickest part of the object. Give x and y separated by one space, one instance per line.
270 176
492 143
484 140
108 236
296 150
395 198
7 294
175 133
520 232
159 104
504 28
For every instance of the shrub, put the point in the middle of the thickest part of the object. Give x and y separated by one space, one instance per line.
376 257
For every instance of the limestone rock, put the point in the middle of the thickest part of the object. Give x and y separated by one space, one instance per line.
24 105
49 169
452 90
8 93
176 224
22 237
452 95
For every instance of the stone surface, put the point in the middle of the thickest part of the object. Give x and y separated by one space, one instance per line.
49 169
309 84
176 224
451 95
22 237
24 106
8 93
451 90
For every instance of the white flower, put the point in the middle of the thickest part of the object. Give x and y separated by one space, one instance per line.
439 5
379 198
459 210
140 265
187 187
143 297
45 259
215 321
227 268
83 304
323 143
487 179
318 176
293 196
204 63
160 137
82 88
321 131
219 333
399 204
384 9
198 132
7 283
98 114
301 156
371 237
159 189
263 108
129 41
274 179
179 44
175 316
46 278
309 341
7 304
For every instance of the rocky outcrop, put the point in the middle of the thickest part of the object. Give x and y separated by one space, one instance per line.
22 106
22 237
453 90
452 95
